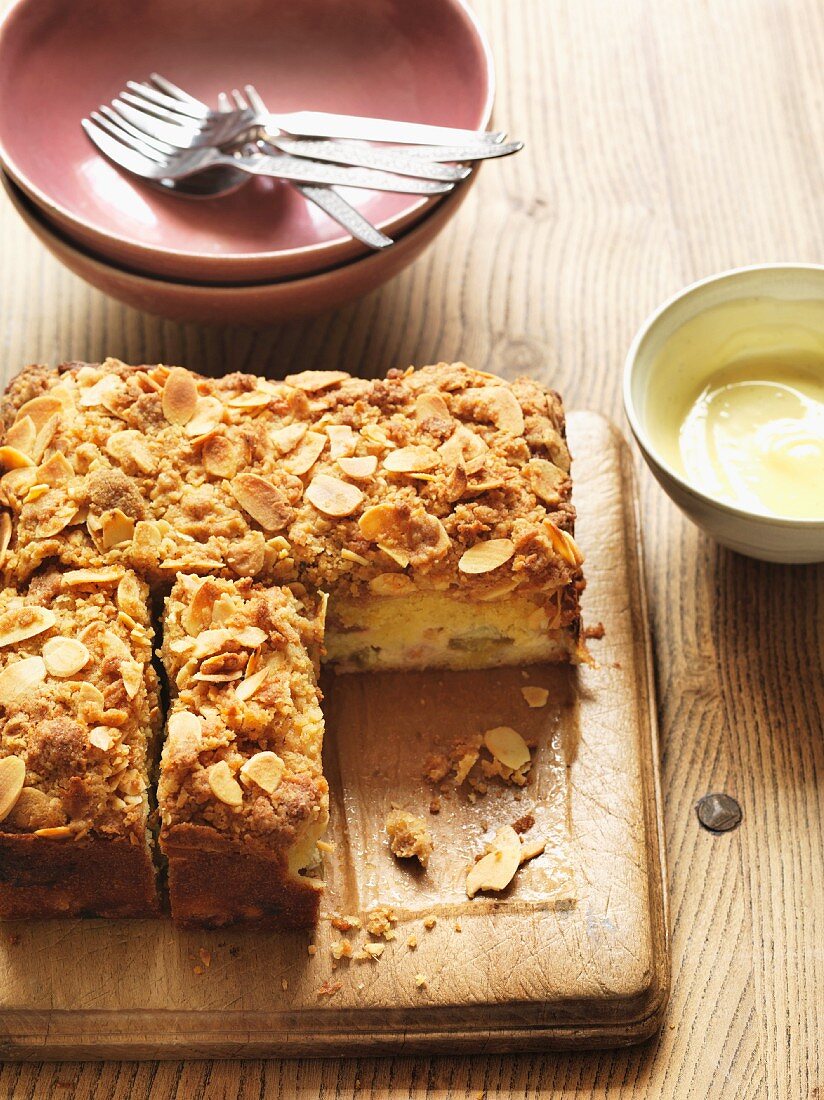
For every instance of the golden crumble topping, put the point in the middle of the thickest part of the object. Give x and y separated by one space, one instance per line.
245 731
444 478
409 836
78 704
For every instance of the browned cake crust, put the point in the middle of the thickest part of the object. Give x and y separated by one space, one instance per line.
242 797
78 722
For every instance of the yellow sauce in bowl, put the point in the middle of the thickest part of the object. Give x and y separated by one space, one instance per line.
742 414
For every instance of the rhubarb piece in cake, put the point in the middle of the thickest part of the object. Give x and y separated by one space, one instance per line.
78 723
241 794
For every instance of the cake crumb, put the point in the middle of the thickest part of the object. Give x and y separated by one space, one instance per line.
458 926
409 837
429 923
341 949
523 824
329 988
205 957
284 984
436 767
379 922
421 981
197 969
344 923
435 804
412 942
597 632
325 846
311 949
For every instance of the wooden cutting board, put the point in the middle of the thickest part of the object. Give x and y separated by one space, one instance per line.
574 954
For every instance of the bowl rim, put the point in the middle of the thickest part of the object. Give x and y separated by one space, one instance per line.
635 422
55 209
35 214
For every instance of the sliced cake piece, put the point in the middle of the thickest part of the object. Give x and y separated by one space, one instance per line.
79 717
241 794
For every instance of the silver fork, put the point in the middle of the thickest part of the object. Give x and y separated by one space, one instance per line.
319 124
152 162
225 180
188 123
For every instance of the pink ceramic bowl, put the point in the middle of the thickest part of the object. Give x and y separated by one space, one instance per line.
254 304
420 60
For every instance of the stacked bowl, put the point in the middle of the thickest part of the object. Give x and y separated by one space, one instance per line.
264 253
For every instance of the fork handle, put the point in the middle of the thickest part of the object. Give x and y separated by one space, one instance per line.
319 124
308 171
345 215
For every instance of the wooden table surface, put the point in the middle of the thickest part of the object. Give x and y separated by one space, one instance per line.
666 140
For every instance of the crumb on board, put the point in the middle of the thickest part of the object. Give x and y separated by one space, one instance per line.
430 922
205 956
380 920
341 949
412 942
458 926
409 836
535 697
343 922
435 804
311 949
325 846
284 984
421 981
597 632
329 988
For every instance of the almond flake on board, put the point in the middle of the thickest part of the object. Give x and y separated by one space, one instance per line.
332 496
508 746
483 557
65 657
180 395
532 848
12 780
535 696
495 870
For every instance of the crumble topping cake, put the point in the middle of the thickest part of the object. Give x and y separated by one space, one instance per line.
433 506
242 797
79 717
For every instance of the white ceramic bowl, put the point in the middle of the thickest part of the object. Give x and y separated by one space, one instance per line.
647 373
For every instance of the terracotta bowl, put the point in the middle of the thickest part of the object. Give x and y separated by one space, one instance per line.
422 61
252 304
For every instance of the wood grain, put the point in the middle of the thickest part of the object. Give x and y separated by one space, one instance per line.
666 140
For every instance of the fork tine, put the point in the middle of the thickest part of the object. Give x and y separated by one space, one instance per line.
255 101
167 103
116 151
174 92
162 147
174 133
127 139
162 113
239 101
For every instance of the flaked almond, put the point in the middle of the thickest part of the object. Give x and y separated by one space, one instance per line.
464 448
407 460
179 399
545 479
397 554
21 677
207 416
5 535
90 396
563 544
65 657
535 697
198 615
501 406
220 457
40 409
13 459
306 454
185 726
359 468
25 622
313 381
507 746
532 848
103 737
130 449
392 584
44 437
223 610
429 405
251 685
483 557
129 596
342 440
264 502
495 870
375 434
286 439
114 646
332 496
131 673
224 785
117 528
22 435
350 555
264 768
12 779
35 810
35 493
88 578
217 677
251 399
55 470
55 832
